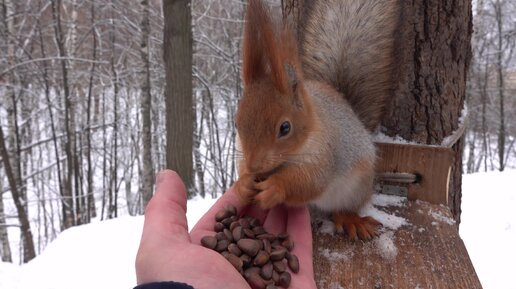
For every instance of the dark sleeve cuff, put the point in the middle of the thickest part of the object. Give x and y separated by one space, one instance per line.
164 285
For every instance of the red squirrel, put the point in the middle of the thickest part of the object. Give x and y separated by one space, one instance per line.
305 119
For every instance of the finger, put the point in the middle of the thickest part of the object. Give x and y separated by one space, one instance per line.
205 225
276 220
165 214
300 231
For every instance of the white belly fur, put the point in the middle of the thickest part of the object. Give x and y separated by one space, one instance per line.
345 194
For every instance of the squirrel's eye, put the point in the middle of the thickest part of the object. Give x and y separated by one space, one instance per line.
284 129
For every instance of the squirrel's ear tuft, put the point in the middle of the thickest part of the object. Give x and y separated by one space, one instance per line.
294 84
253 64
291 67
261 53
293 79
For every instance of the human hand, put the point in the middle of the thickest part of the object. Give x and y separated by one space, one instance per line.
169 253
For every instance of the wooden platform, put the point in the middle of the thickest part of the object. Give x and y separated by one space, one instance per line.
431 165
427 252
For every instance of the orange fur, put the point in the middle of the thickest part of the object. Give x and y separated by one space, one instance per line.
326 158
273 91
261 55
364 228
269 92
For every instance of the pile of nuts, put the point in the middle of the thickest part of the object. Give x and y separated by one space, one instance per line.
262 258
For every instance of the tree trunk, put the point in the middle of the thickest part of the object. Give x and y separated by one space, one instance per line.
14 165
485 134
196 149
113 188
5 249
500 73
28 242
104 158
177 42
90 198
146 104
432 86
12 100
47 88
69 218
71 47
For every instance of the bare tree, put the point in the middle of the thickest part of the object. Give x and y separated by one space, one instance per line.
84 117
69 217
146 104
217 39
491 90
28 242
501 47
115 80
90 198
5 248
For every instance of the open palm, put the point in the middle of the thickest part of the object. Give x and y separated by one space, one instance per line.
169 253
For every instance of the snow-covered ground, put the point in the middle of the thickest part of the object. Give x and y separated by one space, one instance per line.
488 226
101 254
98 255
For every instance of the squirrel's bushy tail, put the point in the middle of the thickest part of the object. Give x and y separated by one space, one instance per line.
352 46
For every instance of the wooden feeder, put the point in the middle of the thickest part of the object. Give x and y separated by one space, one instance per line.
427 252
418 172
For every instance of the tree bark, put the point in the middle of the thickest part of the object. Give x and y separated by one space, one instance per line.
198 127
104 158
432 85
500 73
69 218
177 42
14 165
90 198
28 242
146 104
113 187
5 249
12 100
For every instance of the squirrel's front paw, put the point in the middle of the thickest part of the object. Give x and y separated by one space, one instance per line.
245 187
271 193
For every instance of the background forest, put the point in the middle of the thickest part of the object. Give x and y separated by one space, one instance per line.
82 98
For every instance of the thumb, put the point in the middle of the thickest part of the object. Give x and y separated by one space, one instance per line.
300 230
165 214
